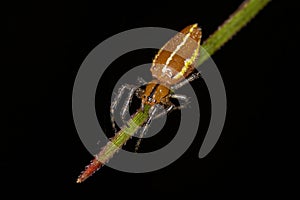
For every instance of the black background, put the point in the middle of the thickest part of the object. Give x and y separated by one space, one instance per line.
45 45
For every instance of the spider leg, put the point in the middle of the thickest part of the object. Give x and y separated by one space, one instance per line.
164 111
116 101
186 81
152 112
183 98
171 106
141 81
125 108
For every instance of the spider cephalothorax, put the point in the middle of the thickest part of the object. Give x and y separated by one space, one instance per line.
155 93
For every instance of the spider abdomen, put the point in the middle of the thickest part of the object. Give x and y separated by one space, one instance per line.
175 60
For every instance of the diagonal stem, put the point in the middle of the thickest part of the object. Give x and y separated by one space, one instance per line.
247 10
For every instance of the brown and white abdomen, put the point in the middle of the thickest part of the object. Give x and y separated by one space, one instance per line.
175 60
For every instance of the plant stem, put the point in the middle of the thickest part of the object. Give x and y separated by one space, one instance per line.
124 134
247 10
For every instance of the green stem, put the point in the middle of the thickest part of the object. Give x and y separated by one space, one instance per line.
124 135
230 27
247 10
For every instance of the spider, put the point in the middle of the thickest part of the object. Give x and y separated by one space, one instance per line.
172 68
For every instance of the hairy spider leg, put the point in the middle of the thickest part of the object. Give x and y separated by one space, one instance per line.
116 101
125 108
186 81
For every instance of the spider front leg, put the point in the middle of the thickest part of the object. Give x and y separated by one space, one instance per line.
141 81
116 101
171 106
125 108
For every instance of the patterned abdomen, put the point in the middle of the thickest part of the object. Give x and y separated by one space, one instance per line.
175 60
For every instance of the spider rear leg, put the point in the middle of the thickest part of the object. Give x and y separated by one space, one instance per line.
186 81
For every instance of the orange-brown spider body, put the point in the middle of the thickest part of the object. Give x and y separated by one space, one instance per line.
172 64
